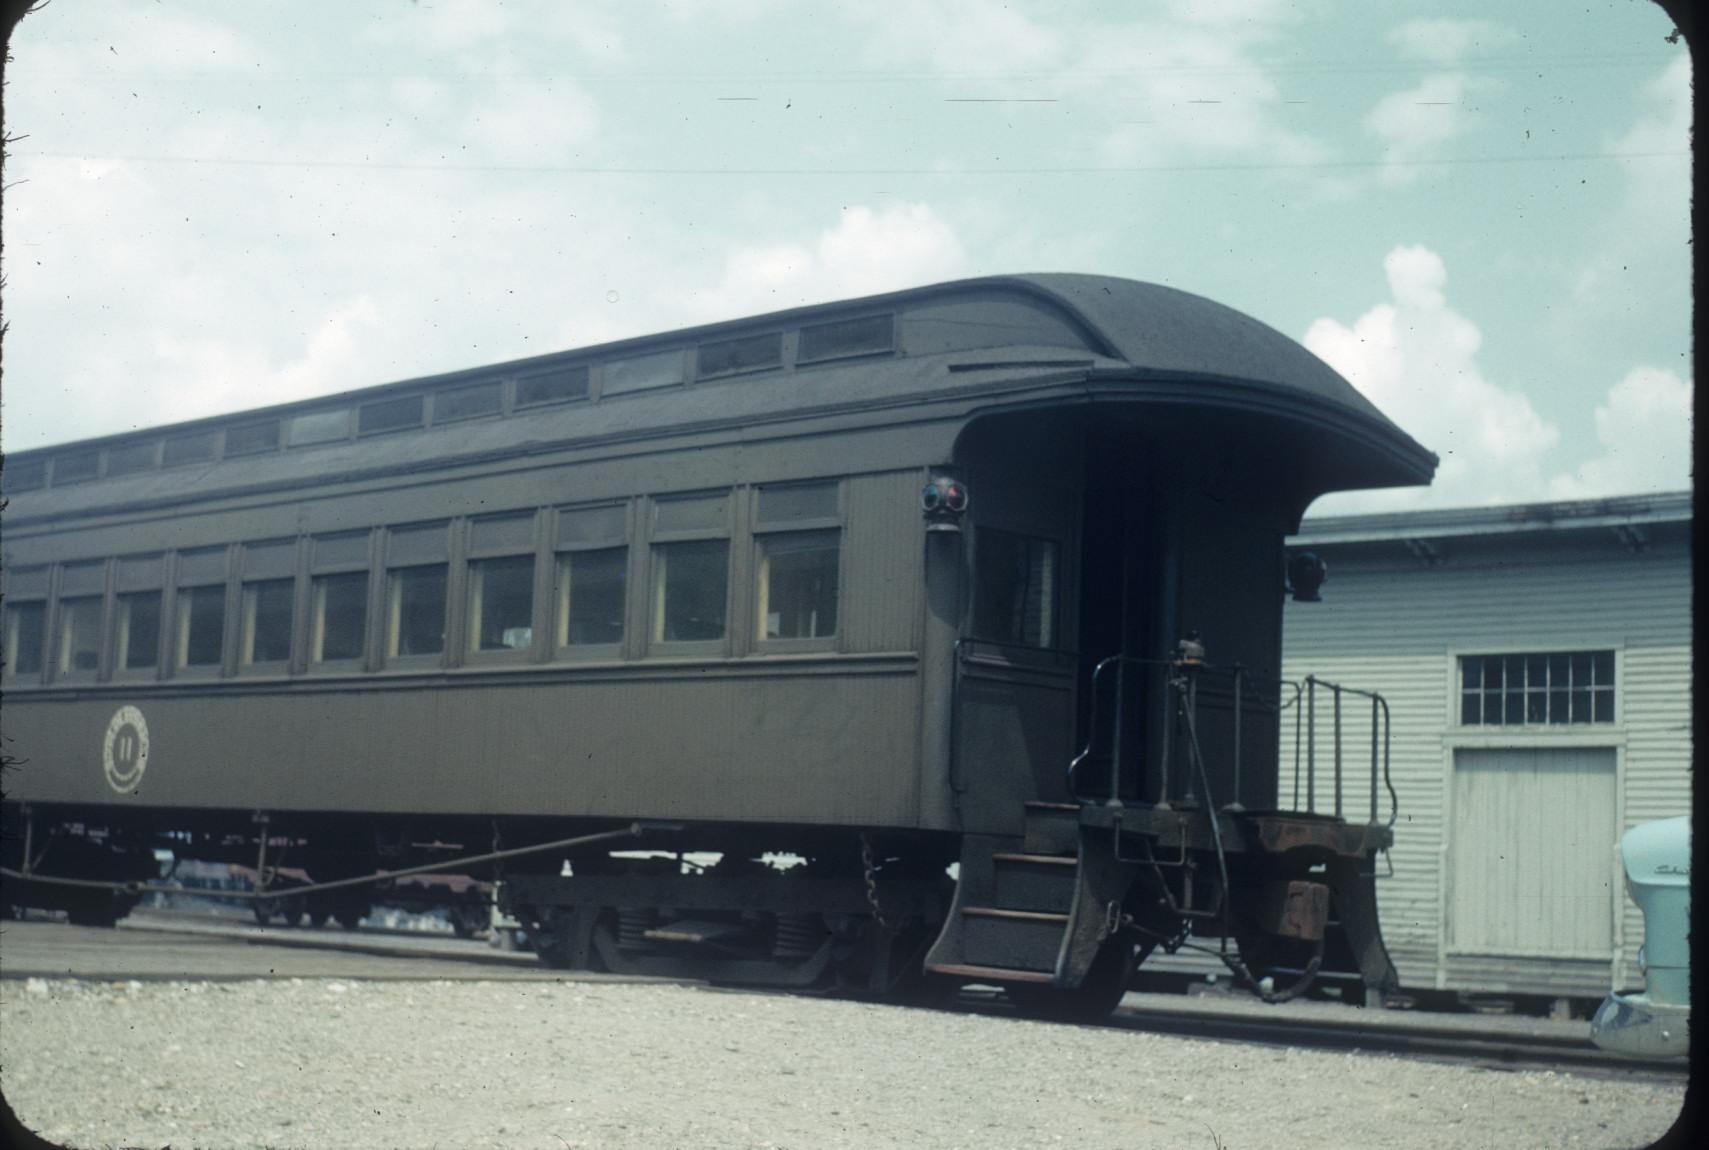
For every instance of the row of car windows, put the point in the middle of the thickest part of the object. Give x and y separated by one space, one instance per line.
482 589
517 394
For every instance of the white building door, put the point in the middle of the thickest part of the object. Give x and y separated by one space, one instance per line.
1530 853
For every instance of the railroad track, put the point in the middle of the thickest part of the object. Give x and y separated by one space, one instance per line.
1526 1052
1411 1039
1361 1031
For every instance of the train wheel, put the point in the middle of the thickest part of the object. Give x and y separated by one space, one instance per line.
470 921
97 908
291 910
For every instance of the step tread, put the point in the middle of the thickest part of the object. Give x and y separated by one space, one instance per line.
1046 860
1019 915
990 973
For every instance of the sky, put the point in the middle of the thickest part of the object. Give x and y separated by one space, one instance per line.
1479 214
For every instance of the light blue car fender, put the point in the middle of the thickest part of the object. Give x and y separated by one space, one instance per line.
1655 1022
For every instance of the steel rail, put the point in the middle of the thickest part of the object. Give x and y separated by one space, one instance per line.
1442 1042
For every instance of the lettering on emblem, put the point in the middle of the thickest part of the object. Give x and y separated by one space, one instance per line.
124 750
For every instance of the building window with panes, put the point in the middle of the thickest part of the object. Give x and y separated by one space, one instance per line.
798 552
1537 690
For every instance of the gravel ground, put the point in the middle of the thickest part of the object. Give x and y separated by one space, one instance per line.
320 1063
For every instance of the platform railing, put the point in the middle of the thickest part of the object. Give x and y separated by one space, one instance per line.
1379 726
1180 680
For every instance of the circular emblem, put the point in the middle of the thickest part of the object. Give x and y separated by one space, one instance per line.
124 750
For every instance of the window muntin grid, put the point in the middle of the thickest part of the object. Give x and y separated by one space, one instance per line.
1537 689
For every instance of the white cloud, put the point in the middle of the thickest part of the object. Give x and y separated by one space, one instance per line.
227 373
1416 123
1415 357
1644 430
480 35
445 24
1412 123
525 123
963 37
1653 222
156 37
867 251
1445 41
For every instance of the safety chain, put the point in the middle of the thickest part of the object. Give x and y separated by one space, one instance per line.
872 884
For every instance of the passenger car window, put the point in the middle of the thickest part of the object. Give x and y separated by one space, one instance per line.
798 584
25 624
591 596
266 621
798 551
501 603
691 583
415 610
338 624
1014 590
79 635
137 633
201 626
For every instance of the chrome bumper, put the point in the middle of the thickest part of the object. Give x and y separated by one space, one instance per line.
1632 1024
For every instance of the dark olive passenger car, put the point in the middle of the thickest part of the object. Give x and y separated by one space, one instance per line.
988 573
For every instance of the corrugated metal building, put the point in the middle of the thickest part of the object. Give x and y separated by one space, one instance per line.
1537 663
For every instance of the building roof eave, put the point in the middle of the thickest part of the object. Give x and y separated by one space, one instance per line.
1630 511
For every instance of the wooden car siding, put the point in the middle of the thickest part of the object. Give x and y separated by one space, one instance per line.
768 744
1390 623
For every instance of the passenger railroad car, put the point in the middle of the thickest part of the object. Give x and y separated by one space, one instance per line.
853 584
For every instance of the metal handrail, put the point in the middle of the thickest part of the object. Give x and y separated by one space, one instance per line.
1290 694
1380 740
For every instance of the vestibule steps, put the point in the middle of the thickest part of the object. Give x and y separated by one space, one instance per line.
1014 901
